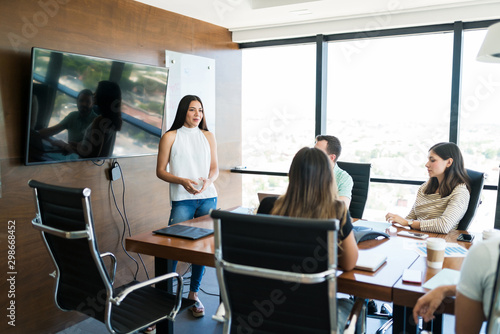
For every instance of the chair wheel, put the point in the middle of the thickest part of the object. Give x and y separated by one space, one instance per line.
386 309
372 307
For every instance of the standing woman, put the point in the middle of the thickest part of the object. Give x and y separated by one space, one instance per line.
443 200
191 153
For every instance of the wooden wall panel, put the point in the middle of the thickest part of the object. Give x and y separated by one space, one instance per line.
118 29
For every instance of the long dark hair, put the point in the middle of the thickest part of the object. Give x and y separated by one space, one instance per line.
182 109
453 175
108 96
312 191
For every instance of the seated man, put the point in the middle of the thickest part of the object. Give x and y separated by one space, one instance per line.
77 121
331 146
473 292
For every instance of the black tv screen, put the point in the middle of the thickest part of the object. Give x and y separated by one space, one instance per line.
62 106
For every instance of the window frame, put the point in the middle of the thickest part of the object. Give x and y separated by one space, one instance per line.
457 28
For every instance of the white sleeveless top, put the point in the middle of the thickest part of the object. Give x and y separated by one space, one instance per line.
190 158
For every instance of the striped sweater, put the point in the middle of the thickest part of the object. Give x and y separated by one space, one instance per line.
437 214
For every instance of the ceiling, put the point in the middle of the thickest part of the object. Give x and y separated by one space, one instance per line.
254 20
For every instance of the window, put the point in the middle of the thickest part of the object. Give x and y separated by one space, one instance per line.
278 112
479 122
480 107
388 103
278 104
253 184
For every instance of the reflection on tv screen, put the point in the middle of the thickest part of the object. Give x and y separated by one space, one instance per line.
70 120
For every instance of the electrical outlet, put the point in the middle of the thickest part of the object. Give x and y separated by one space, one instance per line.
114 172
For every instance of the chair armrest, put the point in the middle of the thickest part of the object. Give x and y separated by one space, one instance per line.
58 232
178 298
113 263
354 316
285 276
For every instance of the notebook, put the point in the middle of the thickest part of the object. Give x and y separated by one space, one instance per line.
183 231
370 261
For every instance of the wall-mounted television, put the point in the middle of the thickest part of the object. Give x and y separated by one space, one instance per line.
62 107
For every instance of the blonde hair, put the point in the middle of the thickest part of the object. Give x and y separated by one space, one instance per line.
312 190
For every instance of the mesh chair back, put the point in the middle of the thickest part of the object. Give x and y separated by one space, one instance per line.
360 173
476 184
274 305
80 285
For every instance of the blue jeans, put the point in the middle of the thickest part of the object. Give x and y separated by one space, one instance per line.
186 210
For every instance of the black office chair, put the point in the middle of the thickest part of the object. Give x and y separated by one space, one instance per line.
277 274
83 284
360 173
476 184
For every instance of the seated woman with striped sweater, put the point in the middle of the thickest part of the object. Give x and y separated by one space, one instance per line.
441 201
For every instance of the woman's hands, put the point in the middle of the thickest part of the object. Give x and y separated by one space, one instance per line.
400 221
206 183
191 186
394 218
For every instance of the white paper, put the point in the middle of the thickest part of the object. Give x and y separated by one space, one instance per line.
444 277
452 249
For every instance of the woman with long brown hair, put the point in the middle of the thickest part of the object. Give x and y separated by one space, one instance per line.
443 200
312 193
190 152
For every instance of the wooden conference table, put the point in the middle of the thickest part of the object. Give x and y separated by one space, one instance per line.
385 284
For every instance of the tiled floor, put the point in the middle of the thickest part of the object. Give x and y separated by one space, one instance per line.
186 323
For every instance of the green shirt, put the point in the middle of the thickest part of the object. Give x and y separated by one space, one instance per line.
344 182
76 125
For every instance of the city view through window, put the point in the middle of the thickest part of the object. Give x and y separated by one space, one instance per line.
388 101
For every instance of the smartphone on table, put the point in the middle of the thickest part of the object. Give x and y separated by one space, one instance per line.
465 237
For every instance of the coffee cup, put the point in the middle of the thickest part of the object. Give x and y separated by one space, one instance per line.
435 252
491 233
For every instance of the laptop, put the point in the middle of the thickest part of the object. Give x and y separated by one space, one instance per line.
183 231
264 195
